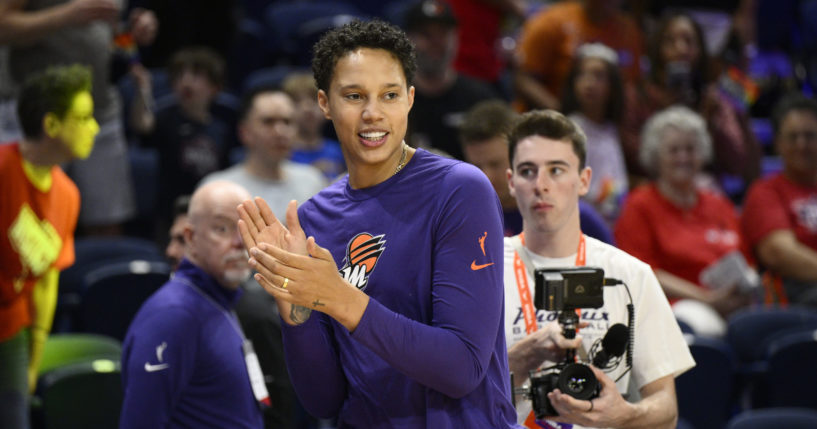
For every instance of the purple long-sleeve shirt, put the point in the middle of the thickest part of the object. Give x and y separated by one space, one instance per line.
182 363
429 351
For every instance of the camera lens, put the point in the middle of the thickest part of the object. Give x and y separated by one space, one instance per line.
578 381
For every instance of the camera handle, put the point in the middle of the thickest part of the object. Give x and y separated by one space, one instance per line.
570 324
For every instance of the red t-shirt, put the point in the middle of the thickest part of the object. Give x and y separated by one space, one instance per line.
776 203
478 26
38 233
681 242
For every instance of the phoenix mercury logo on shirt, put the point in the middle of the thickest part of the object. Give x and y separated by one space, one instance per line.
362 254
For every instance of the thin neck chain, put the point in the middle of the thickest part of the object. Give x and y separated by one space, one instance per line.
402 162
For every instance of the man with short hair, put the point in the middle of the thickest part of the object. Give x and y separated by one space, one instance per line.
484 140
547 177
267 130
780 212
38 215
185 359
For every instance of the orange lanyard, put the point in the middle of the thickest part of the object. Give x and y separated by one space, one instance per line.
522 283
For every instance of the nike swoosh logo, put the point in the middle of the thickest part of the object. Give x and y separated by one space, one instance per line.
154 368
476 267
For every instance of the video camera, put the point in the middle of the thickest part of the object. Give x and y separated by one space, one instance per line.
564 290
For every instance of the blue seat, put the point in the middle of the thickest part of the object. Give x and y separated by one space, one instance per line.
749 328
706 392
749 332
90 253
790 376
114 293
788 418
295 27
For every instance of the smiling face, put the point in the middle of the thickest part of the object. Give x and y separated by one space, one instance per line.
78 127
368 103
547 183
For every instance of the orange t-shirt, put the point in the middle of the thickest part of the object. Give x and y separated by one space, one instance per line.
550 39
38 233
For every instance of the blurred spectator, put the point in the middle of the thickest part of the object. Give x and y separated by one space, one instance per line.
38 216
175 246
780 212
441 95
191 141
549 41
482 54
258 314
483 135
311 147
267 130
594 100
185 359
682 230
680 74
51 32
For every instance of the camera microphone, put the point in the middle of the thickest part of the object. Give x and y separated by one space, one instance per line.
613 345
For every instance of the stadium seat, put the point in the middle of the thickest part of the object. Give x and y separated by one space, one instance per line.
114 293
790 376
749 332
749 328
788 418
295 27
91 253
705 393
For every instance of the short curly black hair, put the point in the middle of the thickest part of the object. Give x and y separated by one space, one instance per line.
374 34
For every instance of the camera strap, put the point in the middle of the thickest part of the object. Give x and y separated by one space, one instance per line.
522 266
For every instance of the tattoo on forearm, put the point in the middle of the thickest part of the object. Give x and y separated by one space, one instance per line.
317 303
299 314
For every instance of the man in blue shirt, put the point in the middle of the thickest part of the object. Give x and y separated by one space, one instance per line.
183 362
